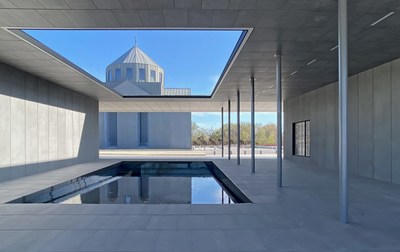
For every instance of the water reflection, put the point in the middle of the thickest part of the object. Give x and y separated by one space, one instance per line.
143 183
155 190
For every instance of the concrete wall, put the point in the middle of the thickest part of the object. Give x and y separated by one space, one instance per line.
374 124
43 126
166 130
171 130
127 130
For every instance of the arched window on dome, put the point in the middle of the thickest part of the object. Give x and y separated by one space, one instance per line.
152 75
160 80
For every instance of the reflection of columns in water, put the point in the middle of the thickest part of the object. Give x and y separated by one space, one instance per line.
144 187
112 190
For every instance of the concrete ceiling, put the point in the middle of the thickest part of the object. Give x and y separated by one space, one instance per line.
303 30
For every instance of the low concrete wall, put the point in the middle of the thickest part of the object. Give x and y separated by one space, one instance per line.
374 124
166 130
43 126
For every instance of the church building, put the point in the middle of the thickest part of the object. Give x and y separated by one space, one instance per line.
135 73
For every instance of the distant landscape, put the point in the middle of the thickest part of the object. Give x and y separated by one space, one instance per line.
265 134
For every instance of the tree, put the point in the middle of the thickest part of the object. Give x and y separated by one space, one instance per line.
200 136
265 134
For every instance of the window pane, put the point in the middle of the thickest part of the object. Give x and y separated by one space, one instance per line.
144 127
299 142
109 75
142 74
160 80
297 139
152 75
118 74
308 138
129 74
301 136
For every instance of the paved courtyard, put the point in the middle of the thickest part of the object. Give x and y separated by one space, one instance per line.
302 216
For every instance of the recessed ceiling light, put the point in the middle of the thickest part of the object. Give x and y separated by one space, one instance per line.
312 61
334 48
293 73
382 18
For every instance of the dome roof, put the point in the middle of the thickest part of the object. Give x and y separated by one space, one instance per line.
135 55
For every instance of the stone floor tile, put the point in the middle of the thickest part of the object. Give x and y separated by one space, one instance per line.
69 240
163 222
174 240
209 240
104 240
32 241
243 240
139 240
220 222
191 222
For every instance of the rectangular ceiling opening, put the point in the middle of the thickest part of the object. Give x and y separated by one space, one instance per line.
138 63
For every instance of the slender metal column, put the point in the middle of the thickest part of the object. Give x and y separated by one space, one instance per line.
222 131
343 100
238 127
229 129
253 132
279 118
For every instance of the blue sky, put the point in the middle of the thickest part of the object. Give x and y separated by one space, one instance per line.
211 120
193 59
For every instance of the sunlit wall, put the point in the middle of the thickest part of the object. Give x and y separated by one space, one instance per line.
43 126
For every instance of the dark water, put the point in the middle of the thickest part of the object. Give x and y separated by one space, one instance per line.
144 183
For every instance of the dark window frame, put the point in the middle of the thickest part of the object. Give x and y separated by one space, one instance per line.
118 74
129 73
153 75
109 76
142 74
306 148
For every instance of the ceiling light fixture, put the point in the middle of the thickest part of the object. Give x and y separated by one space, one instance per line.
271 86
293 73
382 18
334 48
312 61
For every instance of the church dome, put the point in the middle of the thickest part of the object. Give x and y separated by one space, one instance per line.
136 67
135 56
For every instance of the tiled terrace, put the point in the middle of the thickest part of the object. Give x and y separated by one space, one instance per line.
302 216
